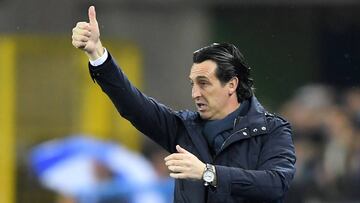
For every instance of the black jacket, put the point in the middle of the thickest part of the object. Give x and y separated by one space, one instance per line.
255 163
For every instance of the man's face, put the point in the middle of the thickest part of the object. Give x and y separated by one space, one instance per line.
211 98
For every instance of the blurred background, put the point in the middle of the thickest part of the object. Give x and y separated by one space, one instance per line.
305 59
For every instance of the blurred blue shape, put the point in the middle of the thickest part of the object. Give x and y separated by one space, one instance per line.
94 171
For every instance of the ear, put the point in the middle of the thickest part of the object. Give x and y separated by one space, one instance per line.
232 84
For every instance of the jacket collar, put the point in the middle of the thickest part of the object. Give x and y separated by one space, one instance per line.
251 125
255 119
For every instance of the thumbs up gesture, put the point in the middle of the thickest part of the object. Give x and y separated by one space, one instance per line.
86 36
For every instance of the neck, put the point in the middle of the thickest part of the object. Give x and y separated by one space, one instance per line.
231 106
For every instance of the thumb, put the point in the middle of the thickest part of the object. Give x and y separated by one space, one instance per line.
181 150
92 15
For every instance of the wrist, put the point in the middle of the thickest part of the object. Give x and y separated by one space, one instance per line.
97 53
202 171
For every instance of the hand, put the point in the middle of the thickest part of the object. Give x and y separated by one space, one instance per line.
184 165
86 36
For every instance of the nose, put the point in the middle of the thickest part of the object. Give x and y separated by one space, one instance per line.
195 92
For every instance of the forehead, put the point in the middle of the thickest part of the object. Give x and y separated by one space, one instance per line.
204 69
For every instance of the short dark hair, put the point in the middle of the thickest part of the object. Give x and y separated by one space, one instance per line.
230 63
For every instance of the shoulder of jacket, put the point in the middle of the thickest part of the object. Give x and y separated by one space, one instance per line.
275 118
277 126
187 114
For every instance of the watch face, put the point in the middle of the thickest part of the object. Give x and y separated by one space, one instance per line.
208 176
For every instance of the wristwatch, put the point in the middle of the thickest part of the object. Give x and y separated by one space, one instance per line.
209 175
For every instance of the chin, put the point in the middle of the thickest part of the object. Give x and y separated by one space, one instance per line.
204 116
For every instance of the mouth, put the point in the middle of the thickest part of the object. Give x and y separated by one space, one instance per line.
201 106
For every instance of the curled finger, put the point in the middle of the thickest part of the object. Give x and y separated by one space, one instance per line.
83 25
176 169
79 44
80 38
178 175
83 32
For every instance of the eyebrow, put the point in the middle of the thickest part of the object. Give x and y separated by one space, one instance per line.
200 78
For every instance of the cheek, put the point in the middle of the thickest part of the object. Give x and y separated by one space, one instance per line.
219 98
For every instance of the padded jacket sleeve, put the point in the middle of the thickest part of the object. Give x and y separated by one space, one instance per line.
155 120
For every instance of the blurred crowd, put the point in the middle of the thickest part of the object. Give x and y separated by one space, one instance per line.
82 169
326 126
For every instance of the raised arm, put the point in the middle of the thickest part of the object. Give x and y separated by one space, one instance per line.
153 119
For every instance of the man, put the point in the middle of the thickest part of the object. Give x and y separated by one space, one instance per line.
230 150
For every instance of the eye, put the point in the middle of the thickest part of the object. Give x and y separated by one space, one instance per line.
191 83
203 83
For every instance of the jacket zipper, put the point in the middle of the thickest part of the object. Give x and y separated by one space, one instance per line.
223 144
227 139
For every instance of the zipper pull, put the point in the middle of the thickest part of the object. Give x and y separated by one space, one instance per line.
234 122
